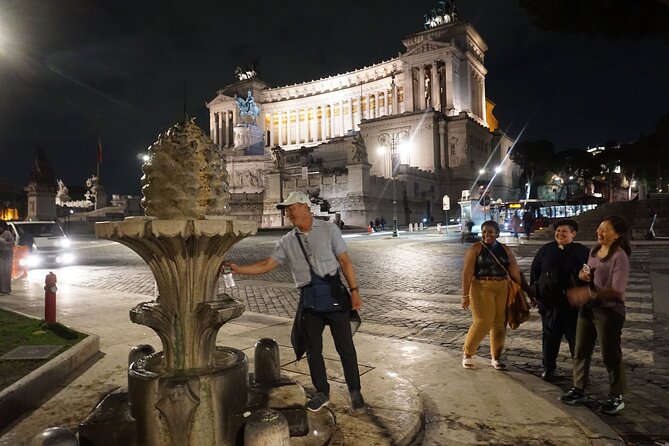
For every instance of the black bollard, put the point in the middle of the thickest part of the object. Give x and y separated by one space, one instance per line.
267 368
55 436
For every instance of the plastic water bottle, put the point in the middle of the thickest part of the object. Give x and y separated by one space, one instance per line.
228 280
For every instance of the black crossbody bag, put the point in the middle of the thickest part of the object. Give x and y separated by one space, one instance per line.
324 294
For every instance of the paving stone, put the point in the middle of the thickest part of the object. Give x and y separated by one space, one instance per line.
411 288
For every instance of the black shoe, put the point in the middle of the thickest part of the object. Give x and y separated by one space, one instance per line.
357 402
613 405
548 375
573 397
317 402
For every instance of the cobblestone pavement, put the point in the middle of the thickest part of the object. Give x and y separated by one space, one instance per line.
411 289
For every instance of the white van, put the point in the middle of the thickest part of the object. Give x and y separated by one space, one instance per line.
47 242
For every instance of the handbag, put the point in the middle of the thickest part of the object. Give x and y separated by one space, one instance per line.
338 293
323 294
517 308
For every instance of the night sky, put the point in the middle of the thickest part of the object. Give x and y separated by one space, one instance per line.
65 63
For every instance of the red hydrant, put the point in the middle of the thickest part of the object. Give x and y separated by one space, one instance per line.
50 298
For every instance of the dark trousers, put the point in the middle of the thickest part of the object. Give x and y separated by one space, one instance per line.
555 323
340 328
6 258
607 325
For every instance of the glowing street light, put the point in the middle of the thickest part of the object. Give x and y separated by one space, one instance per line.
393 140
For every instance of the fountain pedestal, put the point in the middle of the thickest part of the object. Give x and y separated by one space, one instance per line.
192 392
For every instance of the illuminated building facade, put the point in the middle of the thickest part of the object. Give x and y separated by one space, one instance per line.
324 136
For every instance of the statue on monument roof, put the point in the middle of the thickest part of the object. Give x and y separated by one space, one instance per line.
447 12
42 172
249 72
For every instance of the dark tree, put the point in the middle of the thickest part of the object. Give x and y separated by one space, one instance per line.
535 158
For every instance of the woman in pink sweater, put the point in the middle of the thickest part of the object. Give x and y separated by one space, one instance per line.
602 313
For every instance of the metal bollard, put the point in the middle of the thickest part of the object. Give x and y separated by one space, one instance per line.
267 366
50 289
55 436
266 426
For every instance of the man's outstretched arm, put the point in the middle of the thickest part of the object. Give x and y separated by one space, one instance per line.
260 267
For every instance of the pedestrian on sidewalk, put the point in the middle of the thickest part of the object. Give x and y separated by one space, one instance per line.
554 269
6 258
528 222
315 250
515 224
602 313
485 289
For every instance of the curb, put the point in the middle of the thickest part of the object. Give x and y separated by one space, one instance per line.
32 390
588 421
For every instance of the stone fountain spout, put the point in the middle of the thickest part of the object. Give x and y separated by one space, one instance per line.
192 392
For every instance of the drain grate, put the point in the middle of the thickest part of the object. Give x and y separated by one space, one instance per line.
32 352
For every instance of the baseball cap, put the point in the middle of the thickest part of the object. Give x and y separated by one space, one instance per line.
293 198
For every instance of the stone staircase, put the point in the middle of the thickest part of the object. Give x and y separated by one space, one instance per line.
638 213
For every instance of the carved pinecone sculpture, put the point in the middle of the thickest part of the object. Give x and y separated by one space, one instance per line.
185 176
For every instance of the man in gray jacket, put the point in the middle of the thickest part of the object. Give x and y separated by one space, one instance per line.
315 249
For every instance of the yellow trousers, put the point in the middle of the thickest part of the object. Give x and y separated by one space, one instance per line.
487 300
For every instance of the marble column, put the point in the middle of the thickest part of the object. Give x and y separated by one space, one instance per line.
395 101
434 83
289 124
228 130
341 118
408 89
298 134
332 121
482 93
448 84
358 114
213 127
350 114
280 123
324 123
387 102
313 124
421 87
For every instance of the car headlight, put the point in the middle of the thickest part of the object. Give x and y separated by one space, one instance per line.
65 259
65 243
30 261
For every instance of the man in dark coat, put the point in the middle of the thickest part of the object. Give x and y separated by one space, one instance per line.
554 268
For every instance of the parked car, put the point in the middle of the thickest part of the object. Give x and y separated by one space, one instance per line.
47 243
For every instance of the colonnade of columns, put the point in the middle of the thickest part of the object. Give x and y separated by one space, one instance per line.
221 125
316 123
430 84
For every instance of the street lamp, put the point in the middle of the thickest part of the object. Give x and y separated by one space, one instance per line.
392 140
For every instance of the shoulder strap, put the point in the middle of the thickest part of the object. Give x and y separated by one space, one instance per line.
304 251
497 260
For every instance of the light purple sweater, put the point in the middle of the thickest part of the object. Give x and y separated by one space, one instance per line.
613 273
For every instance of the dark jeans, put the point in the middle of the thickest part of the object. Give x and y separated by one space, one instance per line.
340 326
606 324
555 323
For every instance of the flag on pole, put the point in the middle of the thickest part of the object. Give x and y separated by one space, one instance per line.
99 150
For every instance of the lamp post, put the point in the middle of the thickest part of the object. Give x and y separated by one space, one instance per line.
392 140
